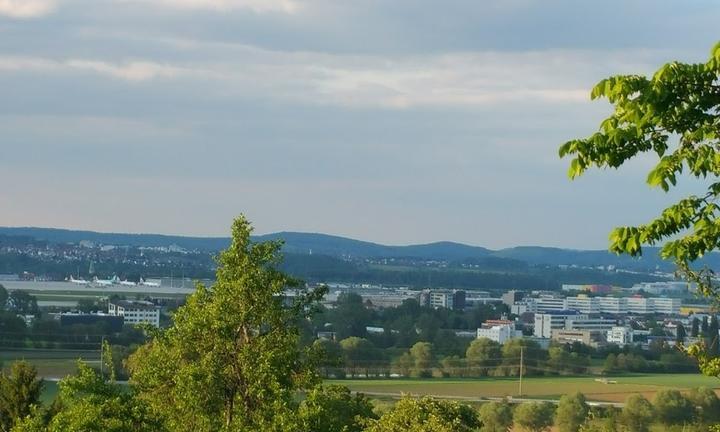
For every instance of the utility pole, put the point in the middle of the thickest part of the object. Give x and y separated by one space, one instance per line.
522 351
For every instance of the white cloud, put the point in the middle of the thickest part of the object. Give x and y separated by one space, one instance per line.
257 6
132 71
128 71
464 79
23 9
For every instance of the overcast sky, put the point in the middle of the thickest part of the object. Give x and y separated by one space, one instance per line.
395 121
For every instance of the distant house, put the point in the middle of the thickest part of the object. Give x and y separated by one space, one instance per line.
136 312
499 331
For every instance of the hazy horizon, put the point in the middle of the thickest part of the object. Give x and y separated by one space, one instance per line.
391 121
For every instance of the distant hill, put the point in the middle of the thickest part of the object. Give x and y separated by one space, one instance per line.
335 246
148 240
340 246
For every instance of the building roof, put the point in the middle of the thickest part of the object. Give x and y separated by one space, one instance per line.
135 304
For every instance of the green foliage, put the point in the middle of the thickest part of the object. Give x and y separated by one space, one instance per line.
426 415
331 355
637 414
495 417
571 412
534 416
19 392
334 409
22 303
511 356
423 359
359 354
673 114
87 403
706 403
3 297
231 361
349 317
482 356
671 407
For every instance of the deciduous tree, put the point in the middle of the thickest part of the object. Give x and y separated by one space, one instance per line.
334 409
231 361
495 417
571 412
674 115
671 407
637 414
19 392
426 415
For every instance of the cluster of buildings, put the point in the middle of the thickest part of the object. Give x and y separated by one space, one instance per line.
121 312
594 317
601 304
449 299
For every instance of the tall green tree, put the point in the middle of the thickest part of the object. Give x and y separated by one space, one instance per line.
231 361
359 355
674 115
706 403
334 409
87 402
3 297
637 414
482 355
534 416
22 302
495 417
19 392
671 407
423 359
426 415
680 334
571 413
695 329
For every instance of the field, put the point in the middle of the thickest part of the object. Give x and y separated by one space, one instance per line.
535 387
51 363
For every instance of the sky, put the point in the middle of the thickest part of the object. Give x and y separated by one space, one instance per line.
394 121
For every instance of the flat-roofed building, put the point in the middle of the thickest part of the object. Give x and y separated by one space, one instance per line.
587 337
583 304
620 335
546 322
589 323
549 304
668 306
499 331
613 305
136 312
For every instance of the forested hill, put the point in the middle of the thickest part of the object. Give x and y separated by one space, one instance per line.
323 244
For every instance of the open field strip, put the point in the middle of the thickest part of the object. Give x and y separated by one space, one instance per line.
533 387
51 363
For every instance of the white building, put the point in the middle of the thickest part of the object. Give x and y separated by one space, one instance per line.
670 306
136 312
583 304
583 322
620 335
499 331
613 305
546 322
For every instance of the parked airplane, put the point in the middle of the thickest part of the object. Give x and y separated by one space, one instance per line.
127 283
150 284
106 282
77 281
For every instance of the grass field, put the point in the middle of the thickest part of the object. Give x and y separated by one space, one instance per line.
535 387
51 363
